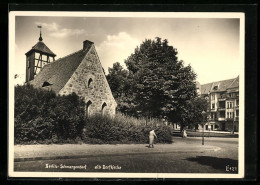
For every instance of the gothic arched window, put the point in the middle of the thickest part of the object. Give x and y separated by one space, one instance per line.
103 110
90 83
88 108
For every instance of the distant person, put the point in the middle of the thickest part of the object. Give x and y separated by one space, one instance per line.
184 133
151 138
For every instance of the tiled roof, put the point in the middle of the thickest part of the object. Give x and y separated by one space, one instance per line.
219 85
60 71
234 84
41 47
205 88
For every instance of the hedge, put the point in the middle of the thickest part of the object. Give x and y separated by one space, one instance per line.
123 129
43 117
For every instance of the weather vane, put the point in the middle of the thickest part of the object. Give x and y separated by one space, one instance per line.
40 38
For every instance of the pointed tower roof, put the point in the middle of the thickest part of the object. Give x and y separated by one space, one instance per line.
41 48
60 71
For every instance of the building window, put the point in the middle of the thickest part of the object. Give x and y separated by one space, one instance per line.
230 115
213 116
88 108
229 105
215 87
90 83
237 102
103 110
237 113
221 104
222 114
213 105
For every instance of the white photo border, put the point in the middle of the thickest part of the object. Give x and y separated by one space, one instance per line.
11 67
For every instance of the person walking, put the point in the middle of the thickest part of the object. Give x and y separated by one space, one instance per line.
184 133
151 138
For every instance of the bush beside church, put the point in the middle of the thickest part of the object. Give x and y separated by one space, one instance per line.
43 117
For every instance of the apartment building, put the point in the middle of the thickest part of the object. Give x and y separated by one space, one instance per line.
223 99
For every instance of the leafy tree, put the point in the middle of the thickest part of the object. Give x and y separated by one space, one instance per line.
156 84
192 115
120 82
162 84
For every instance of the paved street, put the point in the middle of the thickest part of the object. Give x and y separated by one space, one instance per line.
185 155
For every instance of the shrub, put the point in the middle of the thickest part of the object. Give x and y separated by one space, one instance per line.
123 129
41 116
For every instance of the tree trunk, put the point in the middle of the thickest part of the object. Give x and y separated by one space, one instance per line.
181 129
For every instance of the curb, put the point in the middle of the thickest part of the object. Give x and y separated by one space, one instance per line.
107 155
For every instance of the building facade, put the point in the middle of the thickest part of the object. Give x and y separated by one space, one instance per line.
80 72
223 100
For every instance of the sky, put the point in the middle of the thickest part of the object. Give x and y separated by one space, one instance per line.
209 45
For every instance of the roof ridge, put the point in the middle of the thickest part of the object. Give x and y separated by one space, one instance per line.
233 82
207 83
67 56
46 65
219 81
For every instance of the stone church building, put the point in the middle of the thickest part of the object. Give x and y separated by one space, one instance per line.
80 72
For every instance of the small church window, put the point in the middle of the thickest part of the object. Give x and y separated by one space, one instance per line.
45 83
88 106
103 108
90 83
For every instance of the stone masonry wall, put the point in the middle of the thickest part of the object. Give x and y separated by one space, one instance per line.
97 92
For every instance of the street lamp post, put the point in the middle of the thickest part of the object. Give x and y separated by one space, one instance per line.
203 123
232 132
203 135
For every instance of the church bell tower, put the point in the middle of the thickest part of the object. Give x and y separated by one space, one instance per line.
37 57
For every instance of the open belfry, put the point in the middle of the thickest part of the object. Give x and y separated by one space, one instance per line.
80 72
37 57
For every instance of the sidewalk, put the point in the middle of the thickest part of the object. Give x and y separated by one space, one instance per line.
207 133
69 151
215 131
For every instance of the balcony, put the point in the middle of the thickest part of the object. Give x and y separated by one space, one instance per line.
229 119
222 99
221 119
231 97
